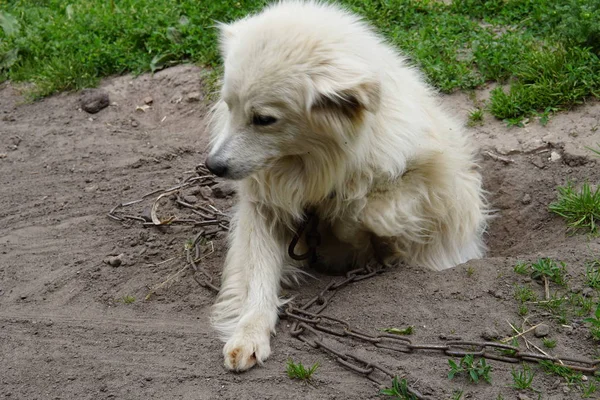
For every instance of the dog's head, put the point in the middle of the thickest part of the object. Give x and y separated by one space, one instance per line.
294 87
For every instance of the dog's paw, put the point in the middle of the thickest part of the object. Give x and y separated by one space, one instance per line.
242 352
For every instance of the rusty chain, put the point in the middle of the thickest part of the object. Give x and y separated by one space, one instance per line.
310 326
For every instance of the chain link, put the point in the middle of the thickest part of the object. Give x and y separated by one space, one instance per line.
310 326
306 323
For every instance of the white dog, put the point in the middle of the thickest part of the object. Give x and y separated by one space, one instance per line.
318 112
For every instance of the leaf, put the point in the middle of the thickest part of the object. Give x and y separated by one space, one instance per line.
597 313
183 21
396 331
9 58
9 24
69 11
451 374
160 61
474 375
173 35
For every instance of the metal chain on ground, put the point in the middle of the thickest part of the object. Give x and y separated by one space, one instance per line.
309 325
209 217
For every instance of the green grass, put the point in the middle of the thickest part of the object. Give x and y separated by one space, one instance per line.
522 268
553 270
128 299
524 293
581 208
588 390
571 376
299 371
545 52
592 274
594 321
409 330
399 390
549 343
474 371
522 380
476 117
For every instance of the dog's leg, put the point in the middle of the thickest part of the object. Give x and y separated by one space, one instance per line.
246 310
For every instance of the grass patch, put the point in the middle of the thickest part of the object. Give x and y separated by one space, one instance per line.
545 51
399 390
592 274
567 373
580 208
594 321
522 380
474 371
549 343
127 299
397 331
299 371
547 267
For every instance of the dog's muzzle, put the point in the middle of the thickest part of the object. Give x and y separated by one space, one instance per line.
218 168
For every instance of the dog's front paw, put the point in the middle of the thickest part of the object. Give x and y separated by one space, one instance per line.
243 351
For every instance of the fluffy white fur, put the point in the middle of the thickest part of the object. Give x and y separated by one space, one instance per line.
354 133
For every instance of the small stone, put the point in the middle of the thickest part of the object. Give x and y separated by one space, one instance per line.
541 331
522 396
538 162
190 199
555 156
147 214
90 189
148 100
3 155
490 334
526 199
222 190
587 292
566 389
15 141
193 97
148 378
134 123
114 261
94 100
23 296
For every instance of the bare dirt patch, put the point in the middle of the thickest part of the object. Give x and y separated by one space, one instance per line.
67 330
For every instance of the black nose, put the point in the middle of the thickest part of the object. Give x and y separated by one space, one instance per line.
216 167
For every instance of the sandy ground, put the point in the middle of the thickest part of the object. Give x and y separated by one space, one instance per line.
65 332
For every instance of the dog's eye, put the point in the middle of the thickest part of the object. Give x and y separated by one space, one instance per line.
263 120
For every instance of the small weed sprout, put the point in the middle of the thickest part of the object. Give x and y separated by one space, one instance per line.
580 209
457 395
523 310
588 390
549 343
475 372
522 268
522 379
524 294
399 390
299 371
476 117
404 331
128 299
565 372
595 322
583 303
592 274
555 271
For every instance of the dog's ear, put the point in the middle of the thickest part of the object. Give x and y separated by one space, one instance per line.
349 96
227 34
